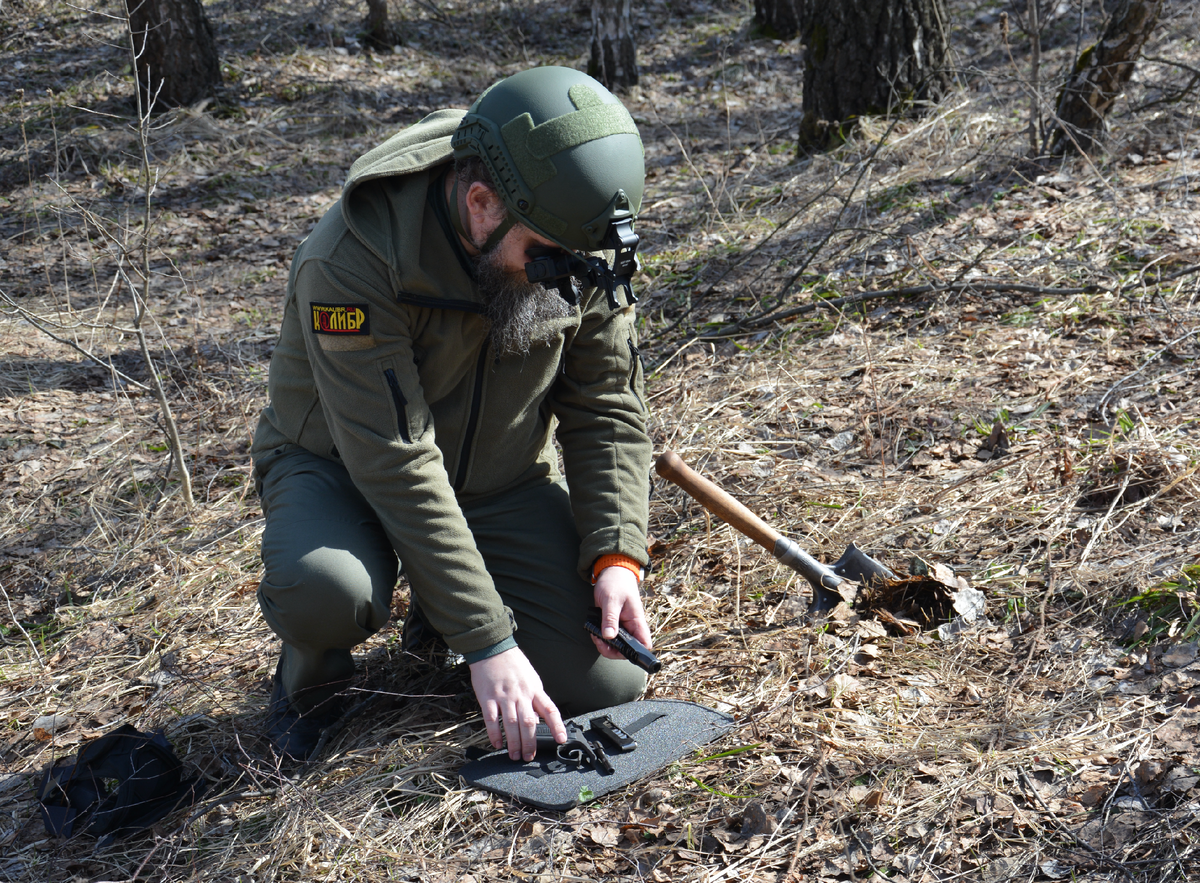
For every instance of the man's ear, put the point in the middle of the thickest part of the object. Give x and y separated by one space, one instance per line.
484 209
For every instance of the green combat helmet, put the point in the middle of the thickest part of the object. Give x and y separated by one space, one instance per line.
567 161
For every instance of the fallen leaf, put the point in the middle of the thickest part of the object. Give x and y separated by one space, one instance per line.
1181 780
605 835
756 820
1180 654
841 442
48 725
1147 771
1001 869
842 686
1056 870
969 603
1176 681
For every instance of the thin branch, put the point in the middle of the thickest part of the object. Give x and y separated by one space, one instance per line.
36 322
976 285
1172 63
1104 857
697 299
1170 277
866 165
142 301
21 628
1103 405
1168 97
695 171
835 304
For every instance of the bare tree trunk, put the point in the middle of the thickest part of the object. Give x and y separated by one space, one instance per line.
1100 76
176 54
1035 65
868 57
614 52
379 32
778 18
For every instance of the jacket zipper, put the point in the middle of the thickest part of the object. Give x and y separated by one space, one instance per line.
472 421
400 402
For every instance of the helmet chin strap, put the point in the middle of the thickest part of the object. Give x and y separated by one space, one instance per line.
493 238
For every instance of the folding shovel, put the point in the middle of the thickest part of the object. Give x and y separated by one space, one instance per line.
855 564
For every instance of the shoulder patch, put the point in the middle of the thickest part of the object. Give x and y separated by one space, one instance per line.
341 319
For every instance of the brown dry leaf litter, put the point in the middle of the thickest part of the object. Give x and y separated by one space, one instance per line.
1032 744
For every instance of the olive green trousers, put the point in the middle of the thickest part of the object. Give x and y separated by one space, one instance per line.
329 572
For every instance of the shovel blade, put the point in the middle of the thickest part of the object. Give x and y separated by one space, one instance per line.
857 565
823 601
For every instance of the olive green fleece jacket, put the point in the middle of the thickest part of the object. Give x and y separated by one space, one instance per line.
383 364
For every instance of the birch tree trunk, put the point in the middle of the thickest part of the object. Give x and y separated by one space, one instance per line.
176 54
868 57
1100 76
614 52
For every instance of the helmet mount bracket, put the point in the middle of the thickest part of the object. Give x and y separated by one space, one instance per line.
566 158
557 269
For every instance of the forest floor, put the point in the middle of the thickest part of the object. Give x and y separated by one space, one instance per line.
1010 395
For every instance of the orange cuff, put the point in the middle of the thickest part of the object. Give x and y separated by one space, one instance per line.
617 560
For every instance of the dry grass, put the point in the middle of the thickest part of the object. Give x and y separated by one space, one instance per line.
1056 739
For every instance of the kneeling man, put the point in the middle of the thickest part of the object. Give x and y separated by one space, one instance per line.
416 391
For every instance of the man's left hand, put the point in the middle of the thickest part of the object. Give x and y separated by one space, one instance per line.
620 603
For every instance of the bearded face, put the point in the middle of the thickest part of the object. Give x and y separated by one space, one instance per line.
517 310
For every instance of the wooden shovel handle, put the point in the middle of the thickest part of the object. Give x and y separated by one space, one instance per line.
716 500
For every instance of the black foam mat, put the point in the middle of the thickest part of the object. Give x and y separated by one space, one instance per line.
549 784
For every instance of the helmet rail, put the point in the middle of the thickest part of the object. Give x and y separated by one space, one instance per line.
567 161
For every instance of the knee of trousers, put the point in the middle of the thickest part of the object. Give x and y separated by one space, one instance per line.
606 682
327 598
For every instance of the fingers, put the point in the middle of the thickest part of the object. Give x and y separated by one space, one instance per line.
620 604
604 650
640 629
610 618
520 728
508 726
545 707
611 607
633 618
511 698
637 628
491 721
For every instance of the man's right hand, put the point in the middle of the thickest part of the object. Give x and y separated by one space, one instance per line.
512 699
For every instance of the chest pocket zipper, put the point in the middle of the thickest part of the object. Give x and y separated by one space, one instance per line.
401 404
472 421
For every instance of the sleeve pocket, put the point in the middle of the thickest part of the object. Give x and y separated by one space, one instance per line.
635 368
401 404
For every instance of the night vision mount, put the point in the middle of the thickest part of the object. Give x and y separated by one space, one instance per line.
557 269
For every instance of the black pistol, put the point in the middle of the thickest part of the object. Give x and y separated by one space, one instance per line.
624 643
577 749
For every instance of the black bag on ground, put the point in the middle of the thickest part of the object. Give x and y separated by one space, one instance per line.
123 782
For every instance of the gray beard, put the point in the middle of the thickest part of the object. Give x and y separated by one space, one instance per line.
517 310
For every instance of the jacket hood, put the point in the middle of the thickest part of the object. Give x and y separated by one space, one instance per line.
384 205
416 148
